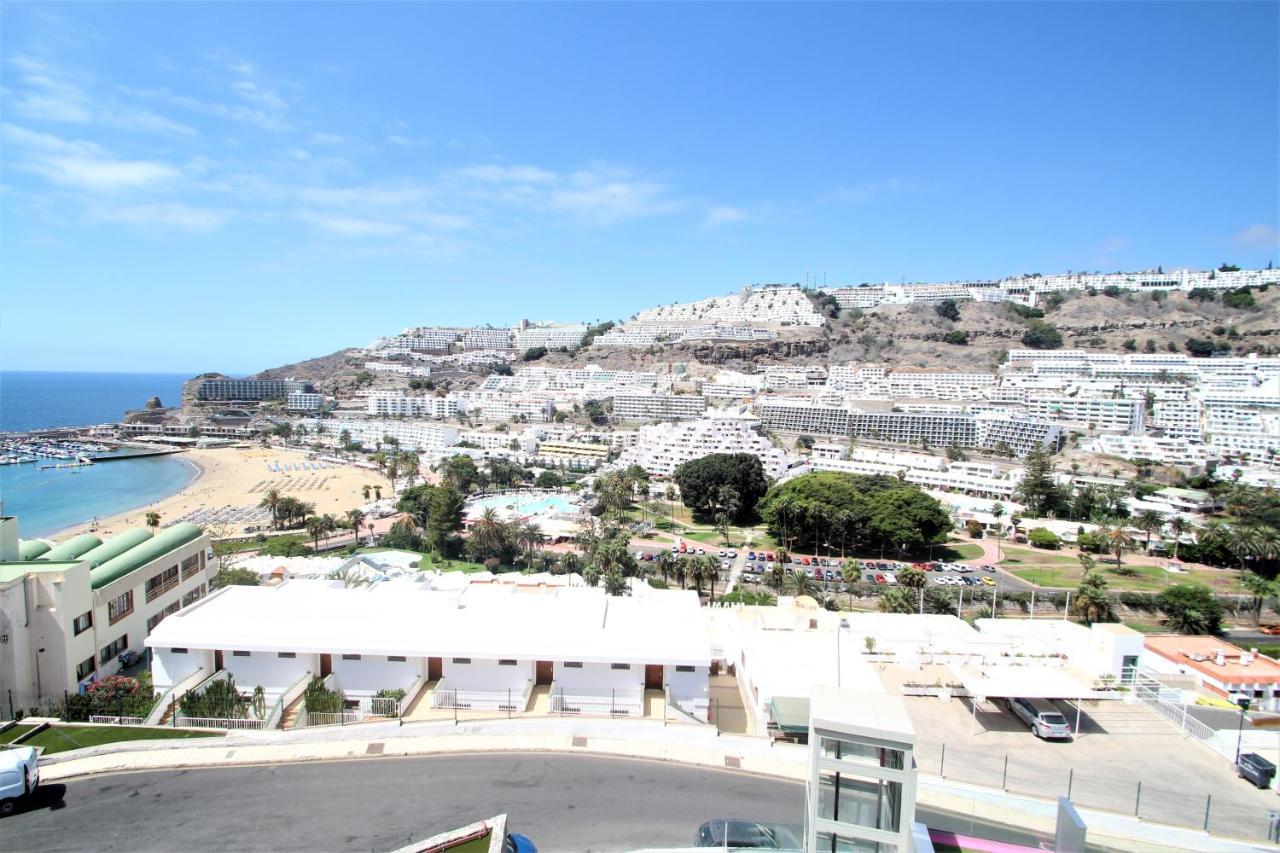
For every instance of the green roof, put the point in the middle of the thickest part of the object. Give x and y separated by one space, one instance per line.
791 713
139 555
29 549
72 548
115 546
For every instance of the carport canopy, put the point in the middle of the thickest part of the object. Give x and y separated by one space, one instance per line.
791 713
1022 682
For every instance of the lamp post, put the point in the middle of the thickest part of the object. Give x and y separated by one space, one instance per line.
1244 708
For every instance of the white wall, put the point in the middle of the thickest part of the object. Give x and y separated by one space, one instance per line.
274 674
599 676
486 674
1109 651
374 672
688 685
168 668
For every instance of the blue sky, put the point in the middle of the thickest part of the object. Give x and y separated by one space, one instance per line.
234 186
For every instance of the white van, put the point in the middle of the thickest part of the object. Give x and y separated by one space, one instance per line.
19 776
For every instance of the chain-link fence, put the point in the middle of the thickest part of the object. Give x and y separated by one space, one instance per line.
1186 802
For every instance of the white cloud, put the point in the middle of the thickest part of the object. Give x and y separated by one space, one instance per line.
169 214
864 192
370 195
327 139
507 174
82 165
350 226
1258 236
723 214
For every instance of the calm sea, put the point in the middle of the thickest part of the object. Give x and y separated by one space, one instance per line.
49 500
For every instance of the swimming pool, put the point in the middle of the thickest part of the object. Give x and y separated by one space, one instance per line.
524 504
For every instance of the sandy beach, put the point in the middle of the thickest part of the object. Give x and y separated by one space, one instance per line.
238 478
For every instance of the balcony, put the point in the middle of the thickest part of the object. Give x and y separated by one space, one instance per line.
155 592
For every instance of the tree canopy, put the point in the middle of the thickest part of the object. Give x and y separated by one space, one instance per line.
848 510
1191 609
729 483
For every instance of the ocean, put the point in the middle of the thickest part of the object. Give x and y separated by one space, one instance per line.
50 500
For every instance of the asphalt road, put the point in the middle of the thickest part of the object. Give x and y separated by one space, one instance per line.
562 802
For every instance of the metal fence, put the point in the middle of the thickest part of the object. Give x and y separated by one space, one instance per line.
1185 802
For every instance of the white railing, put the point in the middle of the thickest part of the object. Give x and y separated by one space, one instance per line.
589 700
217 723
116 721
412 693
173 695
682 709
383 706
286 698
327 718
445 696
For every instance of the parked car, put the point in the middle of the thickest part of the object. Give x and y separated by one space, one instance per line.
1256 769
1042 718
829 575
517 843
804 561
737 834
879 578
751 555
702 552
733 555
890 578
769 556
722 553
988 581
817 574
19 776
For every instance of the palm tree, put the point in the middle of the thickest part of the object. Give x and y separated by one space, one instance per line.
997 509
1177 527
591 576
1117 539
377 493
666 564
1091 602
153 519
1149 521
315 527
330 524
528 537
354 519
410 467
271 501
895 600
1243 540
614 584
1260 589
799 582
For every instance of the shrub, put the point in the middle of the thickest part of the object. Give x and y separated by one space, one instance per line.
1202 294
1041 538
958 338
1138 600
1113 291
1040 335
1025 312
973 528
321 700
533 353
947 309
1199 347
1241 298
115 695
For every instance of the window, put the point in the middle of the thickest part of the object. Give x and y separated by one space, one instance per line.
192 596
872 803
573 664
240 654
395 658
506 662
82 623
686 669
112 649
351 657
619 666
119 607
161 583
177 651
191 566
286 655
861 753
159 617
462 660
85 669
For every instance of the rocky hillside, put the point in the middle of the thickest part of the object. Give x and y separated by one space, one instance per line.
904 336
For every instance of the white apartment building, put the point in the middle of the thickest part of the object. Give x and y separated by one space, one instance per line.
68 610
763 306
1094 413
1239 431
788 377
1177 419
661 448
486 645
412 435
396 404
249 390
486 339
664 407
398 368
975 479
551 336
1165 451
303 401
497 406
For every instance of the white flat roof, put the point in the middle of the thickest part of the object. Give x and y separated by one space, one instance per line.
871 713
482 621
1023 682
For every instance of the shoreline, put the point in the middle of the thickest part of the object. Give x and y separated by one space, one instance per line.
231 479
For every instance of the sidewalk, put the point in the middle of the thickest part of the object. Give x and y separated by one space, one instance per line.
633 739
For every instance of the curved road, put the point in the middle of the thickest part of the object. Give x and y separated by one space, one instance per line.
562 802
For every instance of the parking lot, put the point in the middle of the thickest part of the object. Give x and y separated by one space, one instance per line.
1125 759
829 572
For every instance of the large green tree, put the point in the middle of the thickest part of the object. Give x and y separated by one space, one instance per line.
1191 609
445 518
1038 489
702 483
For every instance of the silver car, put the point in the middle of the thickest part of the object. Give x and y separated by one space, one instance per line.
1042 718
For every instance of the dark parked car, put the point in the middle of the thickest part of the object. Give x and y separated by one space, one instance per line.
1256 769
738 834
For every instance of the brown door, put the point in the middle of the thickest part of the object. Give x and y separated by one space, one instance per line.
435 668
217 660
326 665
544 672
653 676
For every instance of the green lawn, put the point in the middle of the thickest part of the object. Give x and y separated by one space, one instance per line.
62 738
12 734
475 845
958 551
430 561
1147 579
1146 627
1016 556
